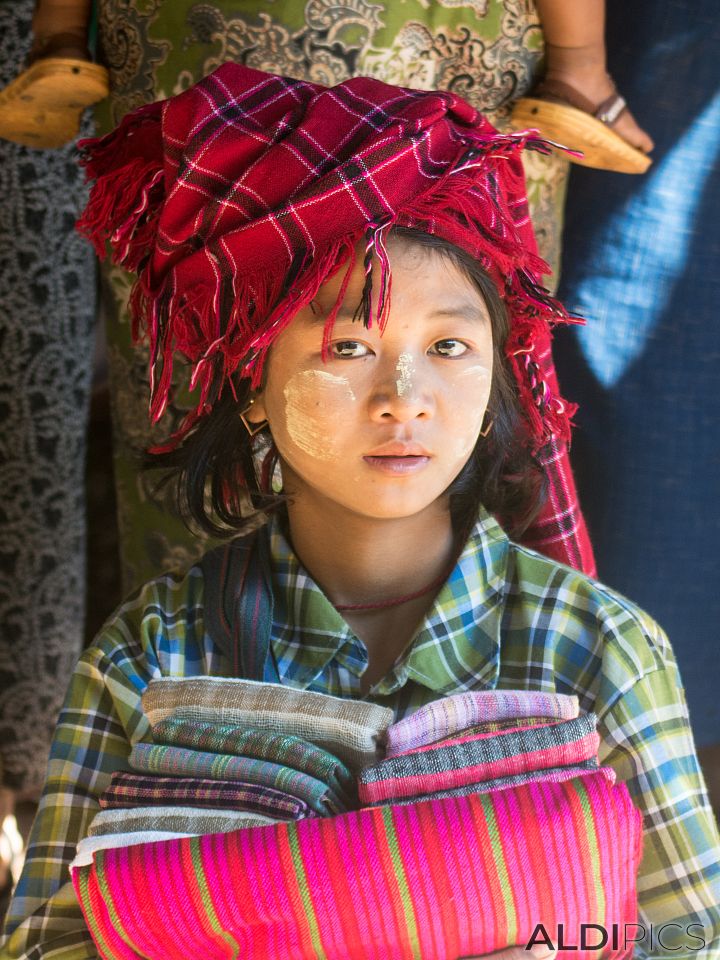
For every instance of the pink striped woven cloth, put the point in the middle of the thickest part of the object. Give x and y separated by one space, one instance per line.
449 715
435 880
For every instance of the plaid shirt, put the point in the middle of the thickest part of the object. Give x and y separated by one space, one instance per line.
506 618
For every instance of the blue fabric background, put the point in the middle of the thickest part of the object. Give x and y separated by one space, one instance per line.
642 263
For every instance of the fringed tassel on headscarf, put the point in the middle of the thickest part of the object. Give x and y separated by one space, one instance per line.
235 339
240 342
126 198
216 327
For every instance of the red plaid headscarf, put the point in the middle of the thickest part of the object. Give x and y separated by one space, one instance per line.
235 200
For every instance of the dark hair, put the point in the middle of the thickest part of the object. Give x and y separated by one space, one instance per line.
215 471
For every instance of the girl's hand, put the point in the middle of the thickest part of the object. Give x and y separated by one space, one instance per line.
538 952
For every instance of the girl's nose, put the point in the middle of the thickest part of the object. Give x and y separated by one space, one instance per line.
401 393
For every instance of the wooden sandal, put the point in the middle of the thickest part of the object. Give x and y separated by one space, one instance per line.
43 105
563 114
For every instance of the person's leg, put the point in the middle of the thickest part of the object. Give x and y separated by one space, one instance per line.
42 106
575 55
60 28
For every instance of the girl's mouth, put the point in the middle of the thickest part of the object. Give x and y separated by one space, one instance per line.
397 465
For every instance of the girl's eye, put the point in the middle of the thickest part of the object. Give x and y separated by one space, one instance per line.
449 348
349 348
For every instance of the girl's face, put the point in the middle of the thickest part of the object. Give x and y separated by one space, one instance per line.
386 424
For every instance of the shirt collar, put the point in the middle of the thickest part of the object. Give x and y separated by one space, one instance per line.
458 644
456 647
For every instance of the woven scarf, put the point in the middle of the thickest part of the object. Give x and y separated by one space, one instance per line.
470 760
436 880
349 729
495 726
151 758
232 738
443 718
134 790
549 774
235 200
189 820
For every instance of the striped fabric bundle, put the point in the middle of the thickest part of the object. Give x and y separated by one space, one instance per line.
435 880
552 775
193 821
460 711
349 729
151 758
135 790
473 759
241 741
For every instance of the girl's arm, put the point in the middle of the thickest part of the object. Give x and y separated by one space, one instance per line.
92 739
646 738
157 632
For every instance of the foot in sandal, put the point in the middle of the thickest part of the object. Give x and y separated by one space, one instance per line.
42 107
582 109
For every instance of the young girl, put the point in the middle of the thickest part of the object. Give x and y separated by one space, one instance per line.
352 275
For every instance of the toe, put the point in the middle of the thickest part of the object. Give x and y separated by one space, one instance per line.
629 130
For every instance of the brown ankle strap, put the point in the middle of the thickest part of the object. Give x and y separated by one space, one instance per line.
610 109
72 45
559 92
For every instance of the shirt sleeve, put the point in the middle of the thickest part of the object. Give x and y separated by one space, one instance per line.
646 738
100 720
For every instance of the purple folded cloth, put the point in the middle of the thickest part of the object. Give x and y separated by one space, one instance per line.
495 726
449 715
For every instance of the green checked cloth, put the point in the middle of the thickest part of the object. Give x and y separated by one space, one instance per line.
235 739
151 758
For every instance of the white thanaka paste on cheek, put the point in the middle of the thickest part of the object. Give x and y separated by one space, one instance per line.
466 443
311 396
405 369
478 370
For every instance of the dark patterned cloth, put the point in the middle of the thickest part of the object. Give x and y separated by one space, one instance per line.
239 740
642 261
473 759
47 302
138 790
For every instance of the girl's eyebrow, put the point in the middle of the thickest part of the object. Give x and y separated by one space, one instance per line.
464 309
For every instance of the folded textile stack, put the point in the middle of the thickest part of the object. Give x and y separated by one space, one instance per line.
467 743
234 754
488 815
351 729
